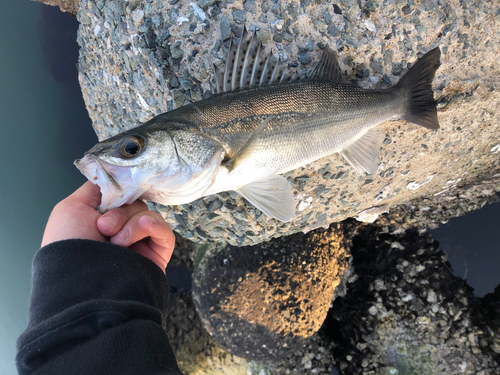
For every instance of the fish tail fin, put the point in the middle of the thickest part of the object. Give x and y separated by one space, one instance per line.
420 107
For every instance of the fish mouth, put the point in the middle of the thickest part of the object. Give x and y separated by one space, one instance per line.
106 176
92 168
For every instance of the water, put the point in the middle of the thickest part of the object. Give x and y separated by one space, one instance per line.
472 244
45 126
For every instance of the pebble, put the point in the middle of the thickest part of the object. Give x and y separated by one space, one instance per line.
304 57
175 50
225 28
239 16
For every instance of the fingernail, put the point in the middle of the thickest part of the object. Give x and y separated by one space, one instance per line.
152 220
110 221
124 234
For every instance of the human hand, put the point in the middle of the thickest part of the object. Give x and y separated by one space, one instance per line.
131 225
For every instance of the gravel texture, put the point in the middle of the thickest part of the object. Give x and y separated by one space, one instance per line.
401 311
261 302
407 313
139 59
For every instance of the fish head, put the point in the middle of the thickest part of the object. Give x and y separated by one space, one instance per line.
165 166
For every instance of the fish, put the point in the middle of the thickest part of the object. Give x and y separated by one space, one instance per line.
260 123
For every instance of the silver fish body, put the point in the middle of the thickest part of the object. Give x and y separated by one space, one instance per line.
244 139
308 120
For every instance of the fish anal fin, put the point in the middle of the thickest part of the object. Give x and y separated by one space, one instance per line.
272 195
363 154
328 67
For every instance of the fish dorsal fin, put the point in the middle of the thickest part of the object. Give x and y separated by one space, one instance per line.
363 154
328 67
230 163
246 67
219 80
272 195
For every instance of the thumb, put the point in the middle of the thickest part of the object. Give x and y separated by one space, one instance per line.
88 194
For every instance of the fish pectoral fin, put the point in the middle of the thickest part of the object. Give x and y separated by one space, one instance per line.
328 67
272 195
231 162
363 154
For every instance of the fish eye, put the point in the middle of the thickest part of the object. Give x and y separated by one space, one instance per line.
131 147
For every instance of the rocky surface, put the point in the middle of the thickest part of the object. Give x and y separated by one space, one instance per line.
428 212
196 351
158 57
70 6
261 302
407 312
403 311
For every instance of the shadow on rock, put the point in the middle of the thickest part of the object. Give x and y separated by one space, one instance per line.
407 313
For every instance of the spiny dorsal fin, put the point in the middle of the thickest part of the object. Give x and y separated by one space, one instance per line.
363 153
328 67
246 67
219 81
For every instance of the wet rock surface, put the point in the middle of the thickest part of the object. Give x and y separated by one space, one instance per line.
70 6
196 351
402 310
407 312
261 302
428 212
158 57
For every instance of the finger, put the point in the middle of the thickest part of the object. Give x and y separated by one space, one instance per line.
88 194
161 238
142 248
113 221
153 225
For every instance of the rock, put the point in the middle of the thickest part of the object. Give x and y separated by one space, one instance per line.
406 312
176 51
250 6
466 87
195 350
70 6
225 28
261 302
239 16
490 307
204 4
304 57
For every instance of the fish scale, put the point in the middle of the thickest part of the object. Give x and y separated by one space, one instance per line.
326 114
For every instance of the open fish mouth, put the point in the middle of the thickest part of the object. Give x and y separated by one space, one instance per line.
106 176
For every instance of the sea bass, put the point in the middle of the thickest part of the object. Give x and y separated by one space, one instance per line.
258 125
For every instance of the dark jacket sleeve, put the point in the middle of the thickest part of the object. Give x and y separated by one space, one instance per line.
95 308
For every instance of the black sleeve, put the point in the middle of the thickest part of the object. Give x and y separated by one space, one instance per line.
95 308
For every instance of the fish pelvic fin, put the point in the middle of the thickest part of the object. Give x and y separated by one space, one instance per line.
363 154
272 195
420 107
